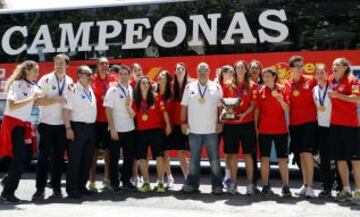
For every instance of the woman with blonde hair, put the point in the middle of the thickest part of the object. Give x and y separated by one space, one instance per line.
16 131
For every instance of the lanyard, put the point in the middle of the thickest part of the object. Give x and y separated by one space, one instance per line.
60 88
104 86
125 92
144 107
202 94
322 98
88 95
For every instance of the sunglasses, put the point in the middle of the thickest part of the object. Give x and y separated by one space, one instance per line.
87 74
203 70
298 66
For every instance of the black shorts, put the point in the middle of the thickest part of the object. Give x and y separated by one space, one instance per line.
153 138
102 135
280 141
303 138
236 134
176 140
344 142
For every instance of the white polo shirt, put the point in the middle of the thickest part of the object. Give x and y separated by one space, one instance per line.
325 116
82 104
20 90
115 99
202 118
52 114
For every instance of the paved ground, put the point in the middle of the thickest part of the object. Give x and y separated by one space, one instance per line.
174 203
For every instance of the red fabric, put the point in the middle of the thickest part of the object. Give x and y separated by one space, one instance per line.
7 126
272 116
248 97
302 107
155 115
100 87
344 113
169 107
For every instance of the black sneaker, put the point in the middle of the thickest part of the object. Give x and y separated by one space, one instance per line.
38 195
286 191
256 189
10 199
74 195
56 194
267 190
325 194
115 189
128 186
86 191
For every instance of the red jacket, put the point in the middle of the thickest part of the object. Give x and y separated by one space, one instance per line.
7 126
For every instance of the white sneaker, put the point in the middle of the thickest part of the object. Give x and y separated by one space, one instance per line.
92 187
232 189
310 193
170 182
302 191
250 190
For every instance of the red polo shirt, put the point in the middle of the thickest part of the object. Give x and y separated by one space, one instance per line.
100 88
302 107
272 116
344 113
247 97
155 115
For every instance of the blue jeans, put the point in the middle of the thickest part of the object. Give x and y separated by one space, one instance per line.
196 142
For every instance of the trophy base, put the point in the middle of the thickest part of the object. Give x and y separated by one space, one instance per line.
229 116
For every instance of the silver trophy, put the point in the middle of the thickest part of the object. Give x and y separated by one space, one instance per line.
229 104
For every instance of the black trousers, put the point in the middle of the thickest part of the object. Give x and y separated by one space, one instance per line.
127 144
22 156
51 145
81 152
327 173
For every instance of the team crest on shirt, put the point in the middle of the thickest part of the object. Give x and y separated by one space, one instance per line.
53 87
341 87
355 89
47 80
306 86
83 96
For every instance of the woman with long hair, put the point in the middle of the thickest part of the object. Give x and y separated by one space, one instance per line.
150 113
16 130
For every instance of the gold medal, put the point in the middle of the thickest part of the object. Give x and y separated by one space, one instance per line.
296 93
145 117
274 93
321 108
202 100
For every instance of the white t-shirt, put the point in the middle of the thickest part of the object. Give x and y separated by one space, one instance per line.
323 117
52 114
20 90
115 98
82 104
202 117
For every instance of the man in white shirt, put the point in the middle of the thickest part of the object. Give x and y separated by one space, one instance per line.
79 113
120 116
51 128
323 104
199 117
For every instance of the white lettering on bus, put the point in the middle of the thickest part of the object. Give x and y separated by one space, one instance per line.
210 34
276 26
5 42
42 37
67 32
104 34
137 33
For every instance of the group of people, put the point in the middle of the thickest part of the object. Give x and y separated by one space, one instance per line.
123 113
